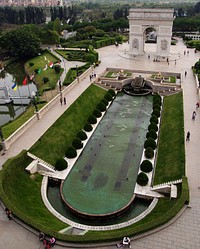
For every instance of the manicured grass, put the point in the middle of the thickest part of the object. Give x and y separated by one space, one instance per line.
53 144
171 154
12 126
72 55
23 195
40 62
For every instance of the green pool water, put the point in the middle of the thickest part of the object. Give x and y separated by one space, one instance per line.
103 179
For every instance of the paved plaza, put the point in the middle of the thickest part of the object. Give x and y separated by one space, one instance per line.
183 232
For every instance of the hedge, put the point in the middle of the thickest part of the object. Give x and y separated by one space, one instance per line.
92 119
97 113
88 127
82 135
150 142
71 152
101 107
152 134
61 164
146 166
149 153
77 143
156 113
142 179
112 92
154 119
153 126
108 96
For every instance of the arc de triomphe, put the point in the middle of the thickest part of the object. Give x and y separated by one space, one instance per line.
159 19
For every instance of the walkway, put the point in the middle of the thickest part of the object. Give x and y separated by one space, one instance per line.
185 231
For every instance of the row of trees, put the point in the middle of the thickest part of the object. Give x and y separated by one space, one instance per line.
28 15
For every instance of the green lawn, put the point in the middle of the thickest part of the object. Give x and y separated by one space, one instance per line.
171 153
12 126
40 62
53 144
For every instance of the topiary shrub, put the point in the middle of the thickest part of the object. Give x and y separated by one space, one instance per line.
92 119
31 64
157 96
77 143
146 166
142 179
71 152
112 92
149 153
81 135
87 127
152 134
108 96
156 113
45 79
61 164
150 142
105 101
157 106
101 107
157 101
153 126
36 70
57 68
154 119
97 113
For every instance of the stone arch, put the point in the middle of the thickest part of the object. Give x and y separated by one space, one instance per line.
159 19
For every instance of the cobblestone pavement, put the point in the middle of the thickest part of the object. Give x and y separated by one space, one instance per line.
183 232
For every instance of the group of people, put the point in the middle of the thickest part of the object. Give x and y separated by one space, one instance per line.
47 243
193 118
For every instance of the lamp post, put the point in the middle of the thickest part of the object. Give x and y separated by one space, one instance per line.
34 101
76 71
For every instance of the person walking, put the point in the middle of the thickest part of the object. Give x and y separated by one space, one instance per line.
64 100
61 100
194 115
188 136
8 213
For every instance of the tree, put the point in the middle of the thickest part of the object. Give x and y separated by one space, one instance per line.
57 25
21 43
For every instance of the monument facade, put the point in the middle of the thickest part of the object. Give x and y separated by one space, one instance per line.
161 20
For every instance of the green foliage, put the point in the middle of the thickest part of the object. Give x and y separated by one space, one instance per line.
31 64
152 134
111 92
92 119
108 96
71 152
154 119
153 126
97 113
21 43
156 113
101 107
157 101
88 127
77 143
149 153
91 58
156 106
82 135
45 79
57 68
57 25
150 142
61 164
146 166
142 179
105 101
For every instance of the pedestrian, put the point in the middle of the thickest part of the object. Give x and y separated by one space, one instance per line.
60 85
175 62
61 100
194 115
64 100
52 241
185 73
197 105
188 136
41 236
8 213
3 151
1 134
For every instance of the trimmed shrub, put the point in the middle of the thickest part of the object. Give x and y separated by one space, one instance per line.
154 119
36 70
31 64
105 101
45 79
149 153
71 152
157 101
157 96
156 113
92 119
112 92
156 106
153 126
152 134
97 113
108 96
150 142
81 135
77 143
87 127
146 166
61 164
57 68
142 179
101 107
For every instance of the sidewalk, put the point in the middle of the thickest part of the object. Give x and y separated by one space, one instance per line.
176 235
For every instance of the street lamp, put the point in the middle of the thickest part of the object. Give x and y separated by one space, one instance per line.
76 71
34 101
